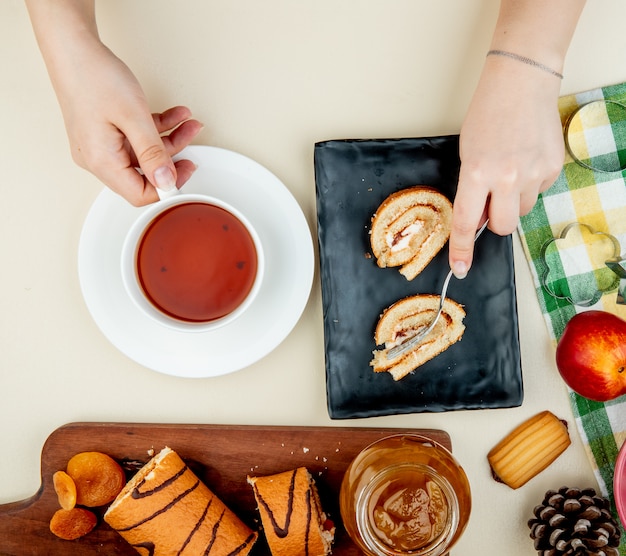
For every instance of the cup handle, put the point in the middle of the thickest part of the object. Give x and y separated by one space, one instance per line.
166 194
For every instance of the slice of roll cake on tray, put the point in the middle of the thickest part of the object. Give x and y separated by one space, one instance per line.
165 509
406 318
409 228
292 515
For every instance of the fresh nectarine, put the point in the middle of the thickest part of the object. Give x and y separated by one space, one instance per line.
591 355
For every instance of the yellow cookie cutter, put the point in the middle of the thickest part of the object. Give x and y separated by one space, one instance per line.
578 113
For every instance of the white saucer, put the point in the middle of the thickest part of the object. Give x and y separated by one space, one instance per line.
288 249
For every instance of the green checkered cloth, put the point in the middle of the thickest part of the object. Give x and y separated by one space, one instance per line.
567 239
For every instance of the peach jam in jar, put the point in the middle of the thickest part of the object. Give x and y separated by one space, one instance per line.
405 494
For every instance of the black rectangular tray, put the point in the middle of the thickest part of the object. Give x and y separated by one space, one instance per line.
481 371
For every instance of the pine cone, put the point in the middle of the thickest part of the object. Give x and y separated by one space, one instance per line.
572 521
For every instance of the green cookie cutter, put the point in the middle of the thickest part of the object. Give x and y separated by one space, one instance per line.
618 266
615 263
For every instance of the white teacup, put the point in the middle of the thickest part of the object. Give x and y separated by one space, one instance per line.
192 262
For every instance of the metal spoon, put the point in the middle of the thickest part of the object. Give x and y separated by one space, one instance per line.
414 340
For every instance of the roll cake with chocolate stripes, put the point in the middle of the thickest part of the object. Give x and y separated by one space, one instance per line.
165 509
292 515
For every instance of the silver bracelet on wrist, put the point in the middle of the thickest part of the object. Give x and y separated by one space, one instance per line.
525 60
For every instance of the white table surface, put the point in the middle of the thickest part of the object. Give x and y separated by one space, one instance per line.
268 80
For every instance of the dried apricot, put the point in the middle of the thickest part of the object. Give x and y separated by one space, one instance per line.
98 477
72 524
65 488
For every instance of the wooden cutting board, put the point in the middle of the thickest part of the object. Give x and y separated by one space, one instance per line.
221 455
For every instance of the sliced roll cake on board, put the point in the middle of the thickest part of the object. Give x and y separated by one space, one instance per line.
292 516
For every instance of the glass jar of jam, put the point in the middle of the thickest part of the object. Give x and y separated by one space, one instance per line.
405 494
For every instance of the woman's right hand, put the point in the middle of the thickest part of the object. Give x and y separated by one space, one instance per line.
110 128
113 134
